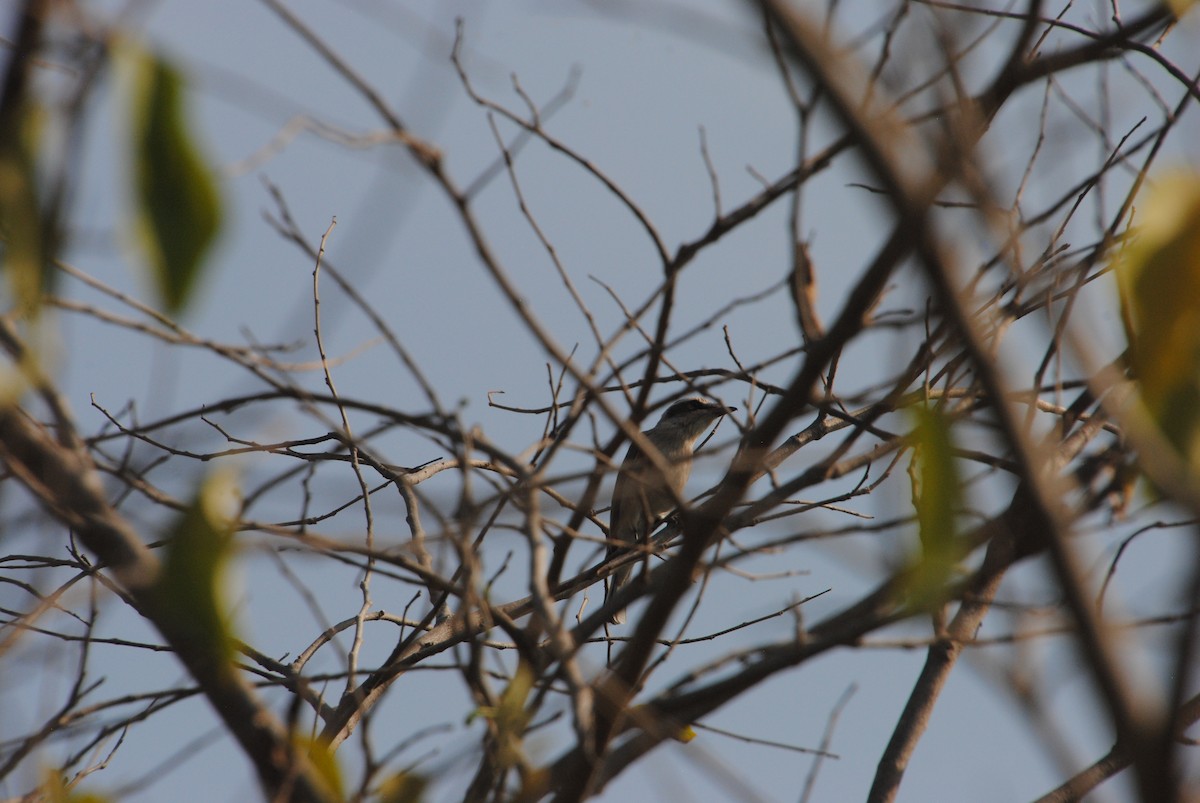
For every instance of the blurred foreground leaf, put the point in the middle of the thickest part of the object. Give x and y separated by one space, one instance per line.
55 790
937 497
1158 277
27 242
511 716
403 787
177 207
324 762
189 591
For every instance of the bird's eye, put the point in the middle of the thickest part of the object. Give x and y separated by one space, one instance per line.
687 406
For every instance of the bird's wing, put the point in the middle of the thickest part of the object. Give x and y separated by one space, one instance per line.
626 516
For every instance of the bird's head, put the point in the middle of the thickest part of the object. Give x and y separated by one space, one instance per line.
692 416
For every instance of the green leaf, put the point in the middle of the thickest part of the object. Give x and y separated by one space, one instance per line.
403 787
323 761
55 790
1158 278
937 497
178 208
189 591
510 716
28 246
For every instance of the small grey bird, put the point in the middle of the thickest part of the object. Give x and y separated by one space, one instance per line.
642 494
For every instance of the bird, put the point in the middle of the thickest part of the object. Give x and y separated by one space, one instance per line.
643 494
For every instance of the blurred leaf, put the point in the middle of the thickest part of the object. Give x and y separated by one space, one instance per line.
189 589
54 790
510 717
27 249
403 787
1158 277
535 785
178 209
937 497
511 713
324 762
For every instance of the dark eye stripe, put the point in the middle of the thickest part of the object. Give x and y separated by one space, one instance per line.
687 406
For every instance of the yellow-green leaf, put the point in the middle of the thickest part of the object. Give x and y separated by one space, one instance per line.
511 713
403 787
55 790
510 716
27 246
937 495
190 592
1158 277
323 761
177 206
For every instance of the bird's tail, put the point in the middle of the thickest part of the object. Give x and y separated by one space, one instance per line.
619 579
